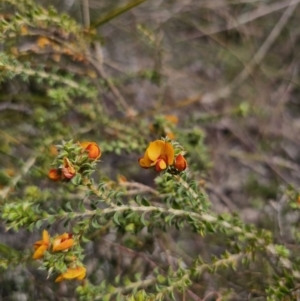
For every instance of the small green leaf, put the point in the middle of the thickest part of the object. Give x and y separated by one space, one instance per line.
77 180
145 202
116 218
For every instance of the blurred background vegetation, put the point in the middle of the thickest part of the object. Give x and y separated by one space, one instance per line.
114 72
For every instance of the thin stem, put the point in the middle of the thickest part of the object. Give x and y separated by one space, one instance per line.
86 13
26 167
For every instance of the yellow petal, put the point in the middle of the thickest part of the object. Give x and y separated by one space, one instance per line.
46 237
85 144
160 165
145 162
39 253
80 277
74 273
155 149
67 244
37 244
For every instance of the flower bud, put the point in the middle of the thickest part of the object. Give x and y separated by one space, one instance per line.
180 163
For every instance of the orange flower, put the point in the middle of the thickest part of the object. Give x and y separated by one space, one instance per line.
159 154
170 135
41 246
180 163
55 174
92 148
42 42
68 170
72 273
171 118
63 242
53 150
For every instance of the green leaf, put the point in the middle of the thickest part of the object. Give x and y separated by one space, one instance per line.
7 251
145 202
67 207
38 224
76 180
143 221
116 218
95 223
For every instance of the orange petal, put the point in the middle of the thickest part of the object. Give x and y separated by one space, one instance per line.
67 244
59 278
85 144
80 277
170 135
180 163
92 148
67 174
168 151
155 149
78 272
46 237
54 174
63 236
37 244
43 41
145 162
172 118
53 150
39 253
94 151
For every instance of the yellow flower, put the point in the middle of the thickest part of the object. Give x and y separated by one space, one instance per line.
55 174
41 246
180 163
72 273
92 148
63 242
68 170
159 154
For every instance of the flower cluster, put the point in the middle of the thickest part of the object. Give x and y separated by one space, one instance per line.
162 155
79 160
60 243
67 168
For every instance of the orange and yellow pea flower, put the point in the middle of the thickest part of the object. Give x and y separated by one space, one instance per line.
41 245
159 154
94 151
62 242
72 273
68 169
180 163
